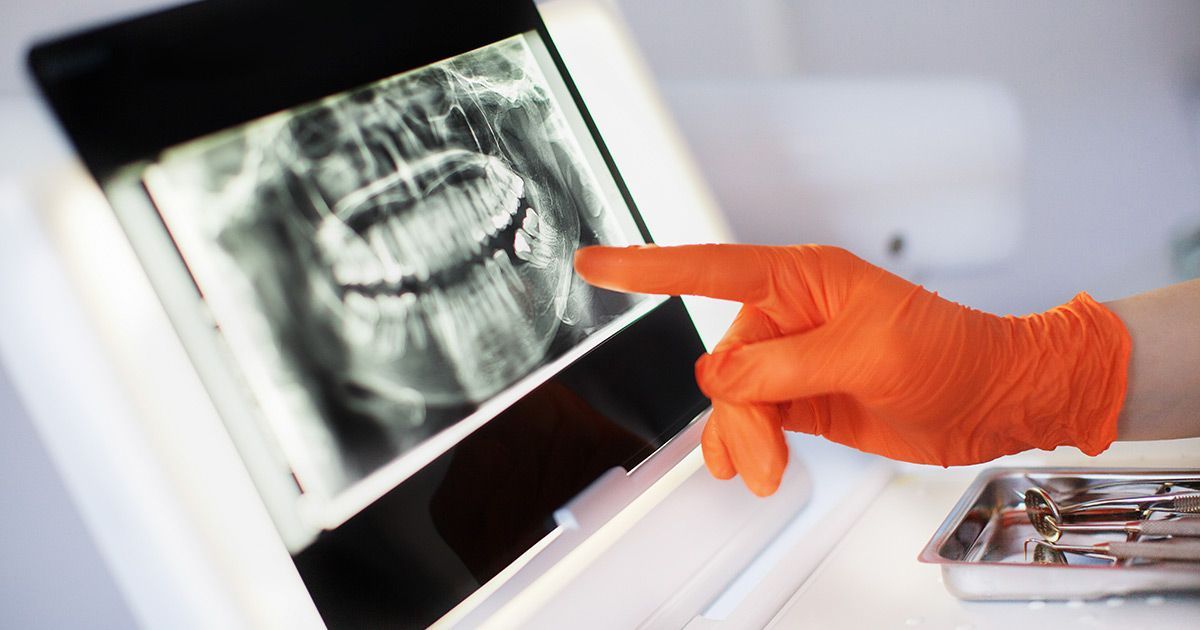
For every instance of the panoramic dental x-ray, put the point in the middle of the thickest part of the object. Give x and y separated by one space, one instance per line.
399 253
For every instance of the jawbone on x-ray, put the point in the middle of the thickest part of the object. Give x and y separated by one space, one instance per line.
403 251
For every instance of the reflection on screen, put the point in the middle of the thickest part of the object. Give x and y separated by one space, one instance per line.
394 256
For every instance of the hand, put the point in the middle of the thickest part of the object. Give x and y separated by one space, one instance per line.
829 344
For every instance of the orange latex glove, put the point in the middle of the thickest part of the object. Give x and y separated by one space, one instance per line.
829 344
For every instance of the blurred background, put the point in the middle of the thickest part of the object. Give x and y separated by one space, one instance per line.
1074 139
1007 154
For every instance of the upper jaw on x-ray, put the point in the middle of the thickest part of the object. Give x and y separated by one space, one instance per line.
410 243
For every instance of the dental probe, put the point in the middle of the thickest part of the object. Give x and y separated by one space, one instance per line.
1182 502
1053 530
1163 486
1182 551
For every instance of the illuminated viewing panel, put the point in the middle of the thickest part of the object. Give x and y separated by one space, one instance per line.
365 246
393 264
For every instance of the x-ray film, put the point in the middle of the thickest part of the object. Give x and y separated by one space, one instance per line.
392 265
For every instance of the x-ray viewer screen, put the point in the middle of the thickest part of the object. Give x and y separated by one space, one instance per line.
391 265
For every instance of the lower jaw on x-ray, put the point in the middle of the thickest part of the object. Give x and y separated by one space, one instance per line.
397 255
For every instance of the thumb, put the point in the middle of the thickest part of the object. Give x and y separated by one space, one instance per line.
716 455
754 443
778 370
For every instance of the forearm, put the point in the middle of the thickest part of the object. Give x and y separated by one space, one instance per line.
1162 399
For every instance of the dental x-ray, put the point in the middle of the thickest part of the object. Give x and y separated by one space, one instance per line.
386 260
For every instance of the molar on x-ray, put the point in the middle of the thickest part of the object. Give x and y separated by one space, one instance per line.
405 248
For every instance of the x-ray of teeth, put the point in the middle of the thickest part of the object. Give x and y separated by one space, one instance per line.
404 249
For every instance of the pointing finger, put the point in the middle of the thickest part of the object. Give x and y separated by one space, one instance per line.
739 273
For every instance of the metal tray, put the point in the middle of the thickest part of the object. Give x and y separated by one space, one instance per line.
981 544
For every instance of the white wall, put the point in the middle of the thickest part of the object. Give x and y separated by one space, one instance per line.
1107 91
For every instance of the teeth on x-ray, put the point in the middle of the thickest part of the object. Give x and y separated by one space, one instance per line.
503 274
429 220
418 225
449 243
533 243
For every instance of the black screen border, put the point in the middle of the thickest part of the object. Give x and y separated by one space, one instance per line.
119 90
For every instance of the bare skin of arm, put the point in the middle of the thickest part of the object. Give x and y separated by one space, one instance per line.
1162 399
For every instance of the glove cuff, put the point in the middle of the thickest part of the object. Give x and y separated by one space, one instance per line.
1097 347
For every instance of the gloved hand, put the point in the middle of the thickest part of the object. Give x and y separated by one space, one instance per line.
829 344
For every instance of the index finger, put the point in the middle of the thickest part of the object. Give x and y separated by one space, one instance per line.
740 273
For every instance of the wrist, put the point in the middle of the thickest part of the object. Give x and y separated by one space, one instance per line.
1163 391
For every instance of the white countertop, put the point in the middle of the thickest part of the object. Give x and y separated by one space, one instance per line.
872 579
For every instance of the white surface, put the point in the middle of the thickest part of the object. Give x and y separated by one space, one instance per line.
844 483
877 561
143 456
88 452
54 574
46 548
673 550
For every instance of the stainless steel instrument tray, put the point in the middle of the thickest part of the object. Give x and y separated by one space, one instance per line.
981 544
